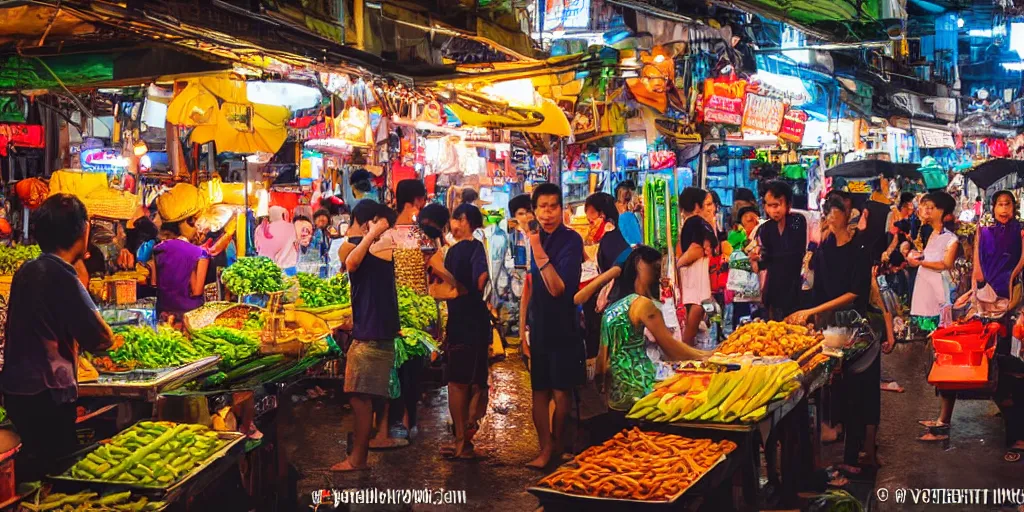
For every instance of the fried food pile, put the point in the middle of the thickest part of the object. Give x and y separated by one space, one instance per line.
637 465
769 339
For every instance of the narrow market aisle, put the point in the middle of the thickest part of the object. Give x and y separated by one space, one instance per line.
316 440
973 457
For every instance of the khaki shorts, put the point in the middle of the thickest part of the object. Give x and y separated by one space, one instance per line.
368 367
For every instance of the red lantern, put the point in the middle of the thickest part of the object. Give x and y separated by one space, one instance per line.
32 192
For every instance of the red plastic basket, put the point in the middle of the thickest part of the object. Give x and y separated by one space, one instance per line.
962 355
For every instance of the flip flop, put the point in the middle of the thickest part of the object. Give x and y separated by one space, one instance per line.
1013 454
390 444
933 424
934 438
345 467
893 386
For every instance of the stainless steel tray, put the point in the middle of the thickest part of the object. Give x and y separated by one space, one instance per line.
233 440
145 384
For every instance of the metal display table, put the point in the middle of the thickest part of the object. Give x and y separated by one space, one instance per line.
145 384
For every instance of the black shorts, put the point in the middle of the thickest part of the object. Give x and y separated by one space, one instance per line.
561 371
467 363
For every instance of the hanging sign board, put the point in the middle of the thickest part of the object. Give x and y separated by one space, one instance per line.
793 126
932 138
723 101
763 114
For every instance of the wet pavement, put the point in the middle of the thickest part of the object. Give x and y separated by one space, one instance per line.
316 440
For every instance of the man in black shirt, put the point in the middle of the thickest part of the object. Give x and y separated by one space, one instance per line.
50 316
556 343
783 243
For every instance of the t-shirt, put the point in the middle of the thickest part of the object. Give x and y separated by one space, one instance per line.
468 317
629 224
50 318
554 324
874 237
696 230
844 269
374 299
175 261
609 249
782 257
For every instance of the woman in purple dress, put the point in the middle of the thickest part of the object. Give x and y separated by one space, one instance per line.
180 273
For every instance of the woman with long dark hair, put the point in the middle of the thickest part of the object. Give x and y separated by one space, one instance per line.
622 362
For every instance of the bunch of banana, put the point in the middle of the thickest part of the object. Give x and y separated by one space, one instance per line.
728 397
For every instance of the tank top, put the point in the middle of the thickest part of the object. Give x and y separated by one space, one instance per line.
632 371
374 299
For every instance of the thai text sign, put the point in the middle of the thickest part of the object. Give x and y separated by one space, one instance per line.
793 126
723 101
763 114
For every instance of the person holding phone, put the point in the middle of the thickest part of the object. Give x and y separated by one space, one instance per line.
556 344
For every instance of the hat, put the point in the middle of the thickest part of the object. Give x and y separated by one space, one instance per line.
181 202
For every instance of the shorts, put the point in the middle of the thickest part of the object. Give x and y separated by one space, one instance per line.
368 367
467 363
553 370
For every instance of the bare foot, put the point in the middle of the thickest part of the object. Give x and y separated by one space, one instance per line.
346 467
540 462
933 423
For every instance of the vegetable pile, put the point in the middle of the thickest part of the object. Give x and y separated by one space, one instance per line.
87 501
415 311
12 257
146 348
249 276
412 343
317 293
232 345
149 454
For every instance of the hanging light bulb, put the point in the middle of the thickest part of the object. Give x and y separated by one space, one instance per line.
140 148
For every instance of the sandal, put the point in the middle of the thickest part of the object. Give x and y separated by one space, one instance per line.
390 443
892 386
933 424
933 438
345 467
1013 454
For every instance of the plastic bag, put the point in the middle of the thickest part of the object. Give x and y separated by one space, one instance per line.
743 282
394 387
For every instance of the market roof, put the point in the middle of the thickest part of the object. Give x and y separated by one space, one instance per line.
874 169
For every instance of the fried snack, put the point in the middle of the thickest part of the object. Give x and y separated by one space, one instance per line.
769 339
635 465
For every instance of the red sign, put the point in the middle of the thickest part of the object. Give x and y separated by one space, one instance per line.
763 114
22 135
793 126
723 101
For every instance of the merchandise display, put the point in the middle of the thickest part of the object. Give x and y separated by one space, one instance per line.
88 501
253 275
769 339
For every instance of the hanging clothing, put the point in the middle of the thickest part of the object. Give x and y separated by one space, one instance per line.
632 372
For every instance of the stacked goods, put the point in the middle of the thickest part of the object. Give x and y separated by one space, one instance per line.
637 465
232 345
13 256
142 347
256 275
87 501
315 293
149 454
411 270
728 397
769 339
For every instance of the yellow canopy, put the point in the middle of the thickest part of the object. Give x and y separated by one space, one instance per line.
554 123
219 110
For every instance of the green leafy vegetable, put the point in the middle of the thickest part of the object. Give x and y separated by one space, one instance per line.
412 343
249 276
162 348
12 257
316 292
415 311
232 345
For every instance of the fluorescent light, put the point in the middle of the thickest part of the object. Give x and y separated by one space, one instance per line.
1017 38
634 145
1013 66
960 23
975 32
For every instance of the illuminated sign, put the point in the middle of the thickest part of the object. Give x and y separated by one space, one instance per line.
563 14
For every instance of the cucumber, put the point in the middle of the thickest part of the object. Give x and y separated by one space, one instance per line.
253 367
